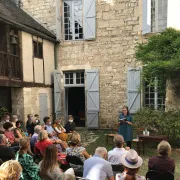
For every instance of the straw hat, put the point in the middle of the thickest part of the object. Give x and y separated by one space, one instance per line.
131 159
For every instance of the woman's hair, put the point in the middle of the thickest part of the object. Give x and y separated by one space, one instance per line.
49 161
18 122
67 177
7 125
131 173
23 144
125 107
55 121
10 170
164 148
42 135
70 117
74 139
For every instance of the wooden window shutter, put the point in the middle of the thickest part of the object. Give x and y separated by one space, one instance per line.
58 20
89 19
146 16
134 92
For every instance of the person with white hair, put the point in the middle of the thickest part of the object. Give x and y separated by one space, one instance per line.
34 138
97 168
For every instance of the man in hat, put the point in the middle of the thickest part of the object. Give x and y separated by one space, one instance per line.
97 168
114 155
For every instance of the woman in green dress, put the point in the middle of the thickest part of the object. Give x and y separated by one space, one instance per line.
125 125
30 169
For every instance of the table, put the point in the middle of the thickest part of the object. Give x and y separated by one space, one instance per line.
152 138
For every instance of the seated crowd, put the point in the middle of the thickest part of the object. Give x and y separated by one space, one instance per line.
62 156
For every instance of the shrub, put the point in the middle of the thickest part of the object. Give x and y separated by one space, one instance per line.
160 122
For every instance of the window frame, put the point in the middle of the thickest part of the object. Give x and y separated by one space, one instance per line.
74 79
38 43
156 105
73 32
156 20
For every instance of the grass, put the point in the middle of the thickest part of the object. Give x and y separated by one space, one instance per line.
99 139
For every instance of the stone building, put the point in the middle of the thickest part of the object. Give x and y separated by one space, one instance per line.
96 55
26 63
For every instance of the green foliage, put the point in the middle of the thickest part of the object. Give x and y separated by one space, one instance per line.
159 122
161 54
3 110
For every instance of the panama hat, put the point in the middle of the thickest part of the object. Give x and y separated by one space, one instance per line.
131 159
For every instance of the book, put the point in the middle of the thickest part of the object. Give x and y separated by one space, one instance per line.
122 121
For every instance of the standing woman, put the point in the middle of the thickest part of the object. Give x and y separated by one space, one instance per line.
125 125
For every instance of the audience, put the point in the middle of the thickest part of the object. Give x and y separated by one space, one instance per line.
32 126
75 150
162 162
6 153
30 169
132 162
18 132
8 126
60 130
10 170
97 168
14 119
49 165
114 155
28 123
70 125
37 119
5 118
34 138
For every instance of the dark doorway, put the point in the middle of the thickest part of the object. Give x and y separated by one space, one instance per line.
76 105
5 98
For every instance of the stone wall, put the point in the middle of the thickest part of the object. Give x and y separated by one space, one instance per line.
43 11
112 53
26 101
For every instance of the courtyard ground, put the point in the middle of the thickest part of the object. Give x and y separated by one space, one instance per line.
92 139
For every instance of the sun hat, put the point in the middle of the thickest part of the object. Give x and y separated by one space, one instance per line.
131 159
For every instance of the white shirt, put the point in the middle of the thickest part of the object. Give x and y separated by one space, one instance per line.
49 129
114 156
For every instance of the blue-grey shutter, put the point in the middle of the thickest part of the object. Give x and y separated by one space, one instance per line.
43 106
92 90
58 21
89 19
162 15
57 93
134 92
146 16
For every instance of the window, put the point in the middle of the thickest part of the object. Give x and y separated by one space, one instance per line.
154 95
154 15
74 78
38 49
73 19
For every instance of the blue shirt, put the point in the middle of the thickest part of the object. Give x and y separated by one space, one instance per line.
96 168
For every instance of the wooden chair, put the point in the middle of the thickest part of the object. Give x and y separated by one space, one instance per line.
110 136
139 131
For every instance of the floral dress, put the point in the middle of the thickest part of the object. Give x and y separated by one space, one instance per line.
76 151
30 169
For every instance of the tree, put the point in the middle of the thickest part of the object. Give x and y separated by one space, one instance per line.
161 54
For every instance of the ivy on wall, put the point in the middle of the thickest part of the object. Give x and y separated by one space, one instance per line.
161 54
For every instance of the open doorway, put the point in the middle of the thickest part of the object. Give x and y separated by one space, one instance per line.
75 98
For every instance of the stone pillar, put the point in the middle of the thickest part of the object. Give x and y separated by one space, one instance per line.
173 93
